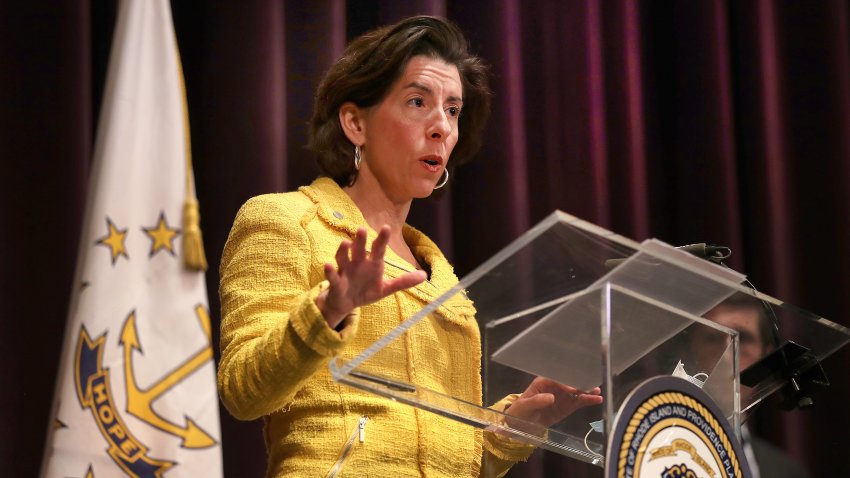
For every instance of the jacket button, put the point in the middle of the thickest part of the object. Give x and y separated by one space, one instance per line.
338 215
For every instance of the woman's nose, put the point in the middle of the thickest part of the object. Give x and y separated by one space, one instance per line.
440 127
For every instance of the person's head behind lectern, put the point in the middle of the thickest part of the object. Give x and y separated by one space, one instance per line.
746 315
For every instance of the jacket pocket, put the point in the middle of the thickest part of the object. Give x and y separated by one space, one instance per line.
358 435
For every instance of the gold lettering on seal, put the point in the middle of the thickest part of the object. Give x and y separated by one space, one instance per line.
680 444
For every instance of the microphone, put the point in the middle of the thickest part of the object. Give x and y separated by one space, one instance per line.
709 252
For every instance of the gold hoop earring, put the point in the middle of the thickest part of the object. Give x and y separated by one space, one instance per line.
444 181
357 157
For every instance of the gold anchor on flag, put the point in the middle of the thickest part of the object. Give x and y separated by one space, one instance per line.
139 402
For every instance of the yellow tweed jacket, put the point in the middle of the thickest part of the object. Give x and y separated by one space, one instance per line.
275 348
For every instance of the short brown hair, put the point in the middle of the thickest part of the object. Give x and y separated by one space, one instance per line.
369 67
766 323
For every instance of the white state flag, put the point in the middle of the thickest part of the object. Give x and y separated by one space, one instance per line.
135 394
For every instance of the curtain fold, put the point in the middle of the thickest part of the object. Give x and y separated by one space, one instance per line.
714 121
46 134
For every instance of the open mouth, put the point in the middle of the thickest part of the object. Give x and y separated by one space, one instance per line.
432 163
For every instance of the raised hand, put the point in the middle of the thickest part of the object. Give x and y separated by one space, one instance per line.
358 277
548 402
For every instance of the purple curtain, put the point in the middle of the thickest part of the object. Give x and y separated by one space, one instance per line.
712 121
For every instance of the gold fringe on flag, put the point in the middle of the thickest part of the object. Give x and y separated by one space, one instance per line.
193 242
194 257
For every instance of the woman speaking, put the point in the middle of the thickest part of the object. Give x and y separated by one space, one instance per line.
325 271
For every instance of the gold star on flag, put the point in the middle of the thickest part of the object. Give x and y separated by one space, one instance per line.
114 240
161 235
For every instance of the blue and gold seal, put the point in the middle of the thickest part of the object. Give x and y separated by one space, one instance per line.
670 428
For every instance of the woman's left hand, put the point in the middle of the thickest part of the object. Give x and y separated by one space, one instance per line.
548 402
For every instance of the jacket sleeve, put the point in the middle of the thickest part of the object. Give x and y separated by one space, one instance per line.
501 452
273 337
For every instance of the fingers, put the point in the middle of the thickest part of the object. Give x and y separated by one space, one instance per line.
586 400
342 259
405 281
540 401
362 271
549 408
543 384
358 246
379 245
532 408
331 274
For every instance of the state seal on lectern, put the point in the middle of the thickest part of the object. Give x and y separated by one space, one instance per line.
670 428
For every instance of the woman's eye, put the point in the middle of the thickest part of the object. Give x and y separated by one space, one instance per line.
453 111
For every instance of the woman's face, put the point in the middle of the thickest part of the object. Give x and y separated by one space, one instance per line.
410 134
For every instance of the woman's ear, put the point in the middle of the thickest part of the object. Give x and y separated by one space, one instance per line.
352 119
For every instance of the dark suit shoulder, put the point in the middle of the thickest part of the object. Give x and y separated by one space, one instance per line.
774 462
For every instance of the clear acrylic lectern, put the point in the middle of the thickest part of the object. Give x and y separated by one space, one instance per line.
582 306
